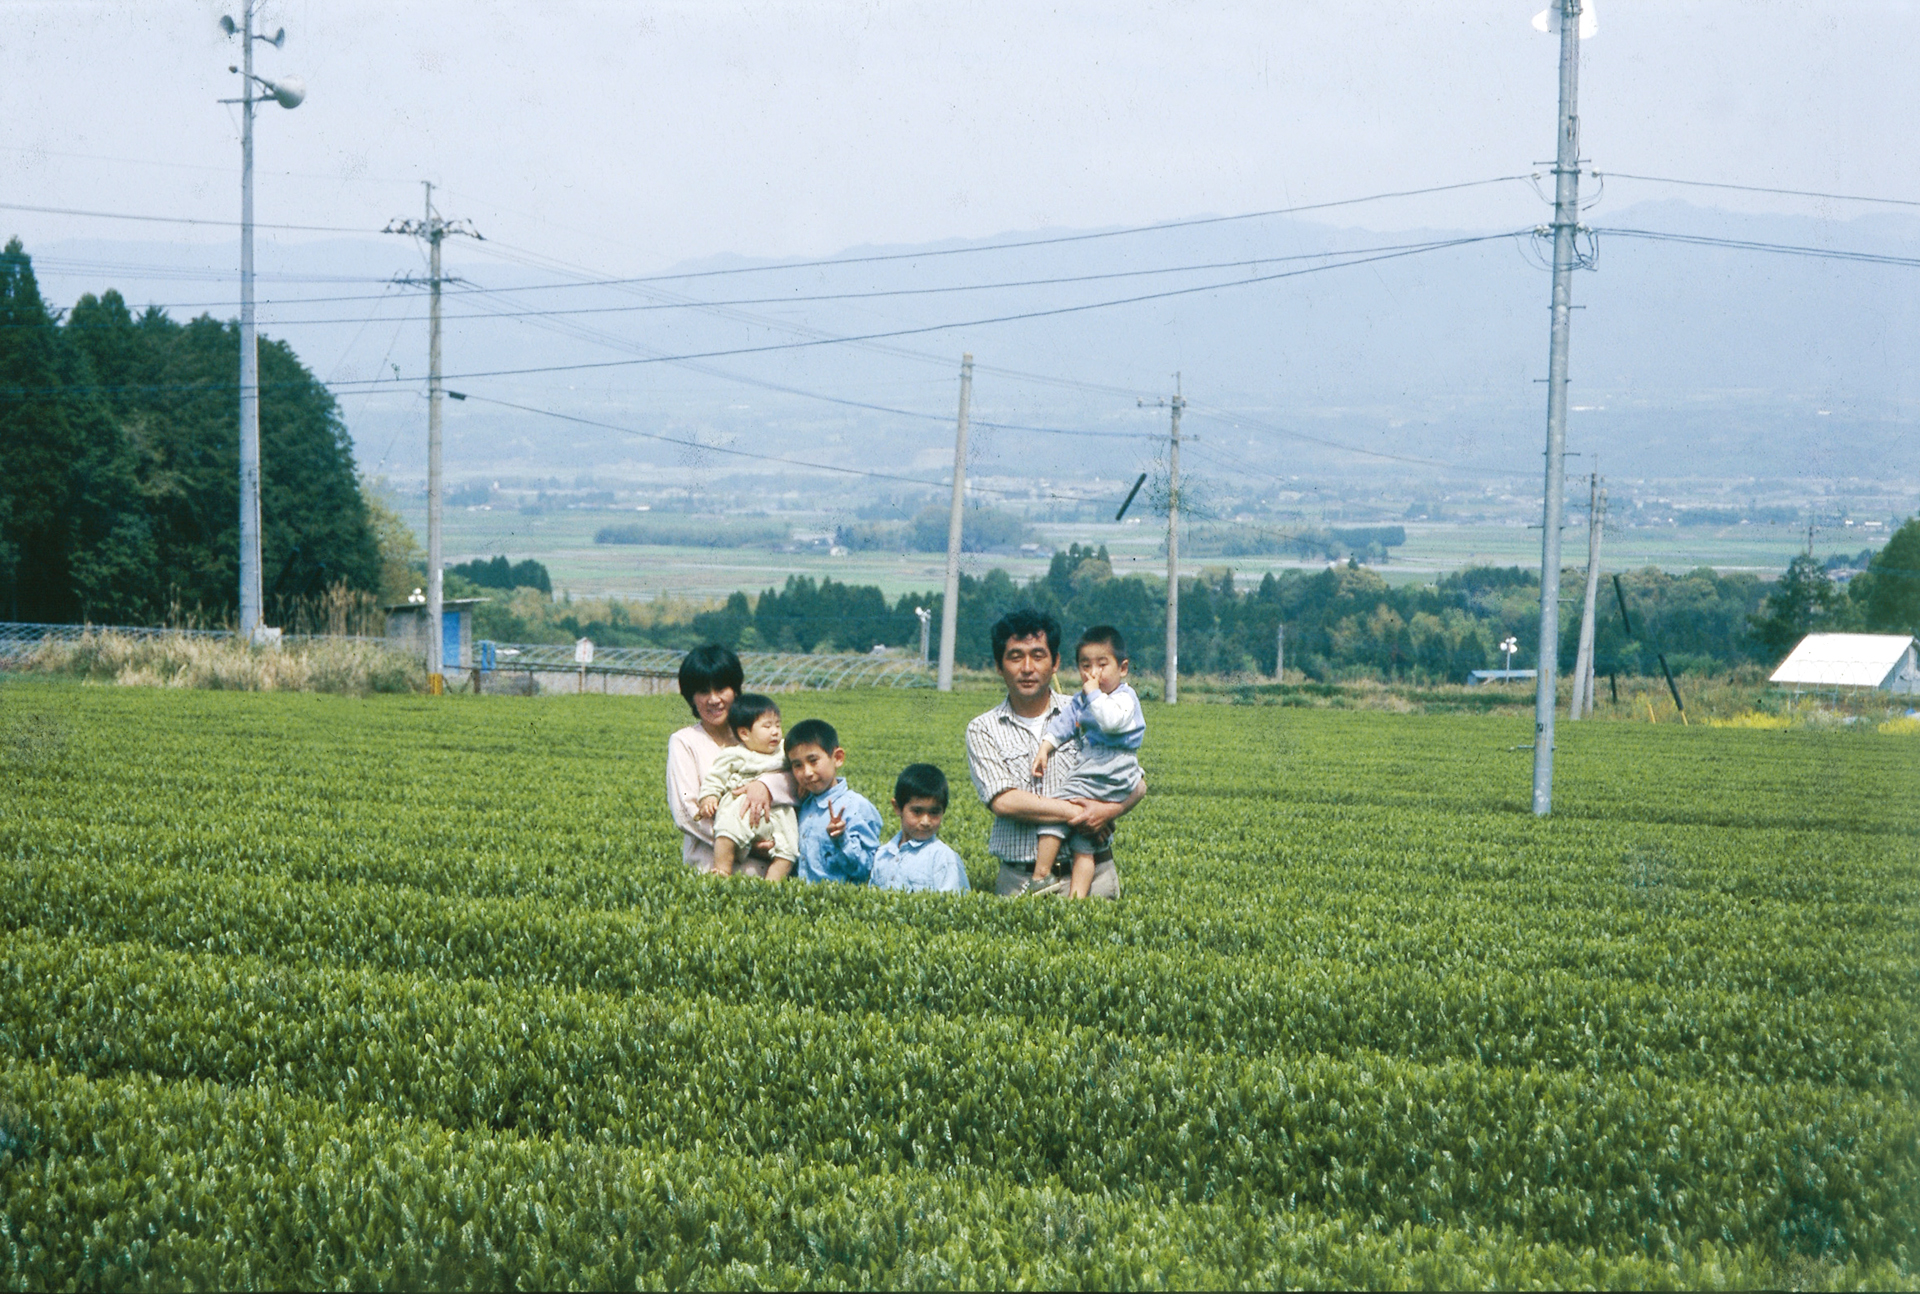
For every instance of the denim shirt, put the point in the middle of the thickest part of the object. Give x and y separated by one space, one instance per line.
850 858
930 864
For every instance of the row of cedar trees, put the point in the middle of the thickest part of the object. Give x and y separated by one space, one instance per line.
119 466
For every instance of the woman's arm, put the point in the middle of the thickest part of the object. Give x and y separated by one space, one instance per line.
683 786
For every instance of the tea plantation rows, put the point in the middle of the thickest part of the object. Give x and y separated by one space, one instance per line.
316 991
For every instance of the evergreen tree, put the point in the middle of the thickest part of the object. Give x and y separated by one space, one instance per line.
1887 593
1803 602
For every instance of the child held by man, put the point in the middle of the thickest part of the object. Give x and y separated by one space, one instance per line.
916 858
839 829
755 722
1105 717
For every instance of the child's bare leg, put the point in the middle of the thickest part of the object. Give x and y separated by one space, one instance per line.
777 869
723 851
1045 853
1082 876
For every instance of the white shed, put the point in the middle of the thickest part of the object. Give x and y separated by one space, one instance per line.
1885 662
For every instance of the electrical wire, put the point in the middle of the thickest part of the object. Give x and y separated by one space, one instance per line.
181 220
1755 188
756 455
990 320
696 304
1746 245
1056 240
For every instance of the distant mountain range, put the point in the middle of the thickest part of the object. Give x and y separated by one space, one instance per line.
1687 360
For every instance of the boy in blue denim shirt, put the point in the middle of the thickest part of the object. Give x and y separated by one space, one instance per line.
839 827
916 858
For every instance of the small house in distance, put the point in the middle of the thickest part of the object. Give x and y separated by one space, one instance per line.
1883 662
407 630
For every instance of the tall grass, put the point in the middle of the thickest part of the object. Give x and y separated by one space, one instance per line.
347 666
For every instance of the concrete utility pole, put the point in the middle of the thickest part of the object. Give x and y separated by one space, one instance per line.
1581 707
1566 216
1173 540
434 229
950 604
1280 655
288 93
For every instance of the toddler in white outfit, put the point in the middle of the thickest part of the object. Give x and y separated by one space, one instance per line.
1105 717
755 721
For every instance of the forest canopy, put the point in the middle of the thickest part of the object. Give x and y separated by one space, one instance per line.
119 466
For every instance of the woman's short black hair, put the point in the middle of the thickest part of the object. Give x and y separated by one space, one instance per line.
1024 622
711 668
747 709
920 782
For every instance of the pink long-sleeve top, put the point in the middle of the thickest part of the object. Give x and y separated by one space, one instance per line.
690 753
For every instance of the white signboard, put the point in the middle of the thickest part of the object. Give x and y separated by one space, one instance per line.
583 652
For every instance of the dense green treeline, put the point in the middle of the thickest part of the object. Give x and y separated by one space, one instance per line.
119 496
1343 622
1347 621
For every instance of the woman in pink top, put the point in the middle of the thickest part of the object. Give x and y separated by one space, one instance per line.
710 679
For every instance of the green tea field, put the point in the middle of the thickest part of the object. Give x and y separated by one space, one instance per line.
409 992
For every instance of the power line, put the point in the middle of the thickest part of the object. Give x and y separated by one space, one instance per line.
180 220
1755 188
744 453
1747 245
1063 238
947 289
994 319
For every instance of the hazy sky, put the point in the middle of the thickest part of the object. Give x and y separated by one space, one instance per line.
630 136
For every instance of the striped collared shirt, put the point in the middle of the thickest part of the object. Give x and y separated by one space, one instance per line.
1000 752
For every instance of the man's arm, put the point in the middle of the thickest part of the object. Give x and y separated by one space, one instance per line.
1025 806
1100 815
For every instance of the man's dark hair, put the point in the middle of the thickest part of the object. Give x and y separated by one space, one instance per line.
747 709
712 668
1024 622
1103 636
920 782
813 732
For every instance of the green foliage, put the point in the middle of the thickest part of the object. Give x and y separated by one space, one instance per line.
1887 593
118 453
1360 1018
1804 601
502 574
679 531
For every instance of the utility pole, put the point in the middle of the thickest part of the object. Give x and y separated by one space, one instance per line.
1581 707
434 229
288 93
950 604
1566 216
1280 655
1173 540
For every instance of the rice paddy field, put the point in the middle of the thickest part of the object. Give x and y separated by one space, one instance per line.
400 991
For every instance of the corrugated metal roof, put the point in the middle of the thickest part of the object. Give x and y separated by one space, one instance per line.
1845 660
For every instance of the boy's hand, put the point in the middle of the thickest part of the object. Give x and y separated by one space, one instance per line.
1092 686
708 807
836 825
1040 761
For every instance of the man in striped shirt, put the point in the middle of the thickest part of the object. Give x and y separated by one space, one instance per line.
1001 745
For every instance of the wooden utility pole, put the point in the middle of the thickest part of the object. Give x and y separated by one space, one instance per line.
1581 706
434 229
1566 222
950 604
1173 541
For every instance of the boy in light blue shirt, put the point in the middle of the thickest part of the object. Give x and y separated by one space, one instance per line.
916 858
839 828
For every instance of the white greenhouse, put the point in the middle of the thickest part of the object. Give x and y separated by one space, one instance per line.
1883 662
